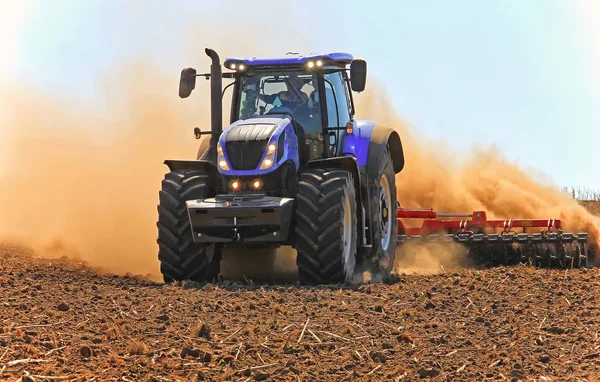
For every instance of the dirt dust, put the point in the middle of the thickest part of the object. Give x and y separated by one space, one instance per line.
433 177
82 182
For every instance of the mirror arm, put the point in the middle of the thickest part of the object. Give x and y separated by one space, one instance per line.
198 133
223 75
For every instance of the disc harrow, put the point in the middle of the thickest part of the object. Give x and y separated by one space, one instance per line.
499 242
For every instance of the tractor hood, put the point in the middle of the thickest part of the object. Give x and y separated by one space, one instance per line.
255 128
242 148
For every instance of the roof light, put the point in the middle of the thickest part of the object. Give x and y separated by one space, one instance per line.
232 66
319 63
311 64
241 67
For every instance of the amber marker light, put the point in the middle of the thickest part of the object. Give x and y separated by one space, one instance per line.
350 127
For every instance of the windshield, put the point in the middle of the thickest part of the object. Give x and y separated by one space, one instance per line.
276 91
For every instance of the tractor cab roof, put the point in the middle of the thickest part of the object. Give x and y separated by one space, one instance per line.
290 60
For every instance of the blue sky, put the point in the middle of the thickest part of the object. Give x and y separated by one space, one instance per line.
524 75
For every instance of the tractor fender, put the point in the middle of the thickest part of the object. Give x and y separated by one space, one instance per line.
203 149
201 165
349 164
367 142
345 163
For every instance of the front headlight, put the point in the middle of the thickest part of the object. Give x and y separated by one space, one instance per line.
221 158
270 157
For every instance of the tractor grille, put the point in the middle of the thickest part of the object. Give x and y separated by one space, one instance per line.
246 144
245 155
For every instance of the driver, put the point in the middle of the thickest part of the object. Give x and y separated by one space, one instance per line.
293 97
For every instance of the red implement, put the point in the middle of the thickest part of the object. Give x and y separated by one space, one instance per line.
433 222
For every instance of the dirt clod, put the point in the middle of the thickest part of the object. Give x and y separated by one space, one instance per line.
378 357
63 307
204 331
85 351
261 376
428 372
194 353
405 338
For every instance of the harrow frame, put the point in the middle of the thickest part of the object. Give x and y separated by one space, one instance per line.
550 247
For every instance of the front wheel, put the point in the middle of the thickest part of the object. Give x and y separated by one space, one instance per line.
326 227
181 258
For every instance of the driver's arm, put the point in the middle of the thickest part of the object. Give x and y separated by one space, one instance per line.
268 98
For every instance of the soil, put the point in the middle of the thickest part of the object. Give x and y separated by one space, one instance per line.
61 320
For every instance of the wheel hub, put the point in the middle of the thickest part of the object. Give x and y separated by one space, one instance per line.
385 223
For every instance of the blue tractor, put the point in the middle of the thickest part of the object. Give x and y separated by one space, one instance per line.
292 168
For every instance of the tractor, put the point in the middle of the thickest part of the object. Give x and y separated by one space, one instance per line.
292 168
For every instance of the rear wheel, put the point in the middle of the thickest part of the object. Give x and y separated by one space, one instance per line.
325 226
384 208
181 258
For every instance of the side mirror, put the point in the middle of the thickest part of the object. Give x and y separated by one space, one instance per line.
358 75
187 82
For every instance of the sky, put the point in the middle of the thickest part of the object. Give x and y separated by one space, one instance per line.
522 75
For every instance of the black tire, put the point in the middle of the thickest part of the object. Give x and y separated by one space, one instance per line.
324 195
181 258
383 252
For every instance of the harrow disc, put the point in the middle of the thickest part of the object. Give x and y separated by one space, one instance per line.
544 250
553 259
568 254
582 258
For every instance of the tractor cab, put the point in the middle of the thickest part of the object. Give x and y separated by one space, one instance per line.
315 96
312 90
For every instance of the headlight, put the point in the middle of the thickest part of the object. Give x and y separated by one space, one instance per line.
221 158
268 161
270 157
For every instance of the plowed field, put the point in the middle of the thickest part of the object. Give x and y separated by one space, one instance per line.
59 320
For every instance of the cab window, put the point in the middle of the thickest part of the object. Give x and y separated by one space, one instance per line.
338 107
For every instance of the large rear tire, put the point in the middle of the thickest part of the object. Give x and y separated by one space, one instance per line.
384 221
181 258
325 227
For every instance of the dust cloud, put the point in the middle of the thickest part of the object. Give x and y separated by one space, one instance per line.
90 193
483 179
82 182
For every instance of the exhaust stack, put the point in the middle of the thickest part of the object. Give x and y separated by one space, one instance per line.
216 103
